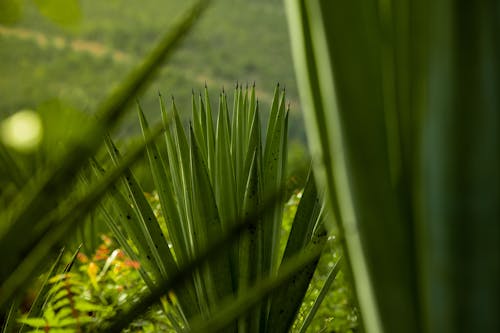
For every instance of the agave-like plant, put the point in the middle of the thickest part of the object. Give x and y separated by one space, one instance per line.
208 181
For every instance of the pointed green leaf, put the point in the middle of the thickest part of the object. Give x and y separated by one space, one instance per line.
225 179
155 239
198 117
307 231
41 297
274 176
233 309
210 135
332 274
166 195
208 227
250 245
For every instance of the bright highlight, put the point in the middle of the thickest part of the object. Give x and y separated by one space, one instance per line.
22 131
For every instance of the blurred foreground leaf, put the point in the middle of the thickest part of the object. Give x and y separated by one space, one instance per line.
63 12
401 106
11 11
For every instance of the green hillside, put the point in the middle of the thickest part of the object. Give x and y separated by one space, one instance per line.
244 41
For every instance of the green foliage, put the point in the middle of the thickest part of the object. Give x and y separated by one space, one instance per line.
70 299
400 114
60 12
66 309
207 181
44 210
336 312
82 64
97 287
10 11
403 125
215 263
64 12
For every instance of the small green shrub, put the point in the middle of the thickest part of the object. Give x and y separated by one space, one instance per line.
94 291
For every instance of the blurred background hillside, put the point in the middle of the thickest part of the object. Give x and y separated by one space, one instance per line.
77 58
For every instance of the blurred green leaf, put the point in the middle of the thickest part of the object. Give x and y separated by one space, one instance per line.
36 220
321 296
402 118
62 123
63 12
11 11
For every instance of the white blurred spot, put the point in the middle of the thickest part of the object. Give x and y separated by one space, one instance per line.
22 131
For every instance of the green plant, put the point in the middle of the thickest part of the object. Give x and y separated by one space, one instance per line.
96 287
224 267
207 181
119 282
400 99
66 308
108 280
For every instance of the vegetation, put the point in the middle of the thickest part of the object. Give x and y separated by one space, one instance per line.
401 115
108 280
93 291
207 180
42 59
400 118
90 292
192 186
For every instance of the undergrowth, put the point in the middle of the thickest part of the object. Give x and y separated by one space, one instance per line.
107 280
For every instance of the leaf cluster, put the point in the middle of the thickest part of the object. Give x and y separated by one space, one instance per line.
208 180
